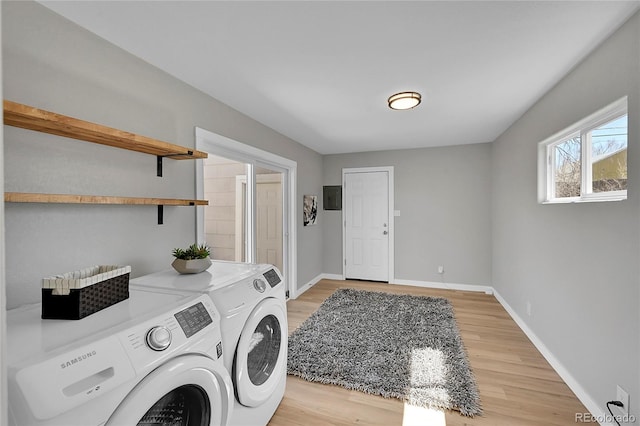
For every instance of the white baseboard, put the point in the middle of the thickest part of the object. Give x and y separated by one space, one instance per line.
447 286
337 277
313 282
564 374
297 292
426 284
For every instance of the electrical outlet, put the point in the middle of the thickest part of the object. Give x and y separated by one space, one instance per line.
441 269
622 396
529 308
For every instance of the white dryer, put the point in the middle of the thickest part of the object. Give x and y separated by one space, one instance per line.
155 358
252 304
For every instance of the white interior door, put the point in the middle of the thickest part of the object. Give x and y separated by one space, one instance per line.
269 219
367 225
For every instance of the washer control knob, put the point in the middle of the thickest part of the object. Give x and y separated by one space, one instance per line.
159 338
259 285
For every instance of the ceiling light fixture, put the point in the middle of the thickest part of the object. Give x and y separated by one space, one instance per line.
404 100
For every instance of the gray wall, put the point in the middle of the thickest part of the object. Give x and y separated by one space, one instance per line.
444 198
577 264
3 327
51 63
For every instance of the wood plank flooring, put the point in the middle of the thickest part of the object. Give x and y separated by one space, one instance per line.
517 386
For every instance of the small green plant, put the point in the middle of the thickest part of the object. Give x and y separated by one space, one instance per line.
194 251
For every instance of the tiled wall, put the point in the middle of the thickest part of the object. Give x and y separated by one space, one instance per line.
220 216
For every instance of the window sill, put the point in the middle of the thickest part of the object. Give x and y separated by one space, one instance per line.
585 199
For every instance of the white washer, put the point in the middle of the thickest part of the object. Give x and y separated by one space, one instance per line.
252 304
155 354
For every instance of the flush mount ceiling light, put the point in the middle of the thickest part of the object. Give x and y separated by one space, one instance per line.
404 100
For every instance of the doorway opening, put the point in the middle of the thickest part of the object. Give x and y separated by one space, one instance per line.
250 217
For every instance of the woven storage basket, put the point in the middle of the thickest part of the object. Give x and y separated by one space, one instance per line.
77 294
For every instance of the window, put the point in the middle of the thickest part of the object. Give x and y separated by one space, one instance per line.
587 161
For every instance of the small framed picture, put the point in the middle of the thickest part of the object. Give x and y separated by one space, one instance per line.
310 210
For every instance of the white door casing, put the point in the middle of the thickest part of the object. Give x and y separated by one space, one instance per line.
368 223
222 146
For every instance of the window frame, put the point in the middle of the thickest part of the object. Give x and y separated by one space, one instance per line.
583 129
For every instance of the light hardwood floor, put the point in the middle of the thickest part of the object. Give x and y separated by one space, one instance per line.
517 386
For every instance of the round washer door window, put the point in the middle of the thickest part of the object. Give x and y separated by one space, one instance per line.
189 390
187 405
264 349
261 355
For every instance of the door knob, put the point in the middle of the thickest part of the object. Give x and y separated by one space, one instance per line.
384 232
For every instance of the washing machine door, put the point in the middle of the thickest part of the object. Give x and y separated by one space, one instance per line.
188 390
261 355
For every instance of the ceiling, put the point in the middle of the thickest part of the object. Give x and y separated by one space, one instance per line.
320 72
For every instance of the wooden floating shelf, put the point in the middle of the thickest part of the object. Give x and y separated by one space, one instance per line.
27 117
26 197
39 120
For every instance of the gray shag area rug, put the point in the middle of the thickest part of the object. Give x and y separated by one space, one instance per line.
400 346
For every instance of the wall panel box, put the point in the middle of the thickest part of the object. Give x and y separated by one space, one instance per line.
332 197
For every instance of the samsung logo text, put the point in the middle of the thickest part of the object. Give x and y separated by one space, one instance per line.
77 359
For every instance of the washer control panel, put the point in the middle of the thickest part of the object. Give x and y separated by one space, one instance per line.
193 319
194 323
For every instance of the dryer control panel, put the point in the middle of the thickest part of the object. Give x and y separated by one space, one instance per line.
272 277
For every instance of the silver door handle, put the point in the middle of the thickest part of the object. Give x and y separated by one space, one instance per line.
384 232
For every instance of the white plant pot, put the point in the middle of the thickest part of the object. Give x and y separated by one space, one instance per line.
194 266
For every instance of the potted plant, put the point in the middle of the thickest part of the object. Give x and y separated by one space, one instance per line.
192 260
